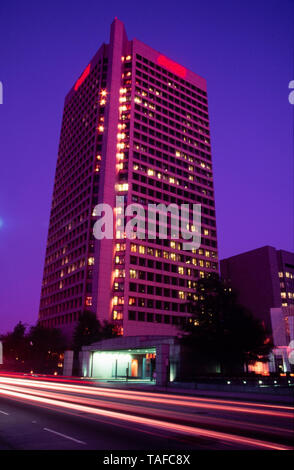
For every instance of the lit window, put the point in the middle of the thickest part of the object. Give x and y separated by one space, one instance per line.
88 301
133 274
120 246
121 135
117 315
91 261
122 187
118 300
119 166
119 273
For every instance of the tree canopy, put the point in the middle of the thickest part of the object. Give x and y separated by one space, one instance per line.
222 330
38 349
15 344
90 330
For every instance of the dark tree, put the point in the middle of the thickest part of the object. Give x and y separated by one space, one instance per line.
221 331
89 330
45 346
15 347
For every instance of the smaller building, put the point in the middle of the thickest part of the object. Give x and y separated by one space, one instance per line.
264 282
262 278
144 358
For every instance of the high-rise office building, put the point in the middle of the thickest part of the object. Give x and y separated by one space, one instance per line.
135 124
263 279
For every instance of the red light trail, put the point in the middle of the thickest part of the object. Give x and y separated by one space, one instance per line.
103 403
243 407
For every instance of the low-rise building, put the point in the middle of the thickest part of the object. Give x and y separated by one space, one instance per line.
264 282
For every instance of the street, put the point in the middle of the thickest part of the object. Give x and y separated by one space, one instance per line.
53 413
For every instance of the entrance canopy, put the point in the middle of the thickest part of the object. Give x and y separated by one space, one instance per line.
124 364
124 358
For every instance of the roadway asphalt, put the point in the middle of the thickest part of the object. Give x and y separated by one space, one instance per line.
52 414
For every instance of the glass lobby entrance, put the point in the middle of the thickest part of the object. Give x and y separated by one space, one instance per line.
124 364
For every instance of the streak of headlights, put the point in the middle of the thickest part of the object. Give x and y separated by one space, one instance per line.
149 422
220 405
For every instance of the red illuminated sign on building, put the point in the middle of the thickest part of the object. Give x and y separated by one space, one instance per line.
172 66
82 77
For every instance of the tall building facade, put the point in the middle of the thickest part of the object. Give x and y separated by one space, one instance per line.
135 124
263 279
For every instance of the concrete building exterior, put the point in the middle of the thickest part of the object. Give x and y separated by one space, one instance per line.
264 282
135 124
282 321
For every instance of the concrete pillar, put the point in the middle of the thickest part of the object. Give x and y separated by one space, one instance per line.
286 364
144 368
85 360
68 362
162 362
271 363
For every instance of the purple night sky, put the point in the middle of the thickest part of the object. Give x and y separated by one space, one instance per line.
243 49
